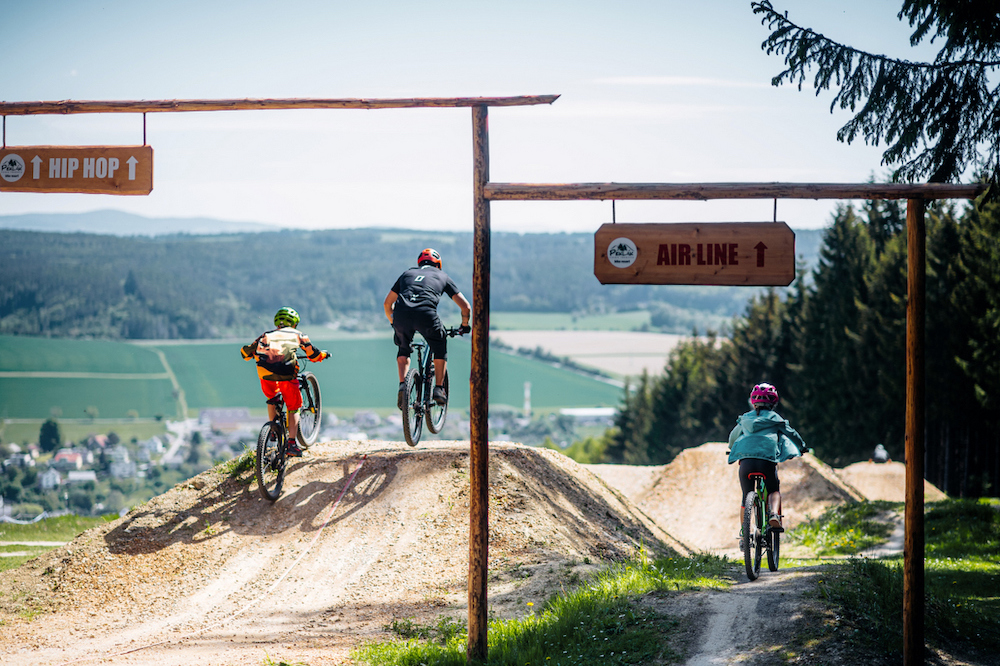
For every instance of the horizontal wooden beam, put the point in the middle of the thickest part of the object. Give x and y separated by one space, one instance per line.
705 191
178 105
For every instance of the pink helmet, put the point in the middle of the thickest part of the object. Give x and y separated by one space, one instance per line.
764 395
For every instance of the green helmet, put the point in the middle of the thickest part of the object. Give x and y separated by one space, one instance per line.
286 317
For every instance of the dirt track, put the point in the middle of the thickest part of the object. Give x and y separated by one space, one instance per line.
211 573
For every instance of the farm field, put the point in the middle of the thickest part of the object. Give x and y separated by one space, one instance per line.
618 353
124 379
532 321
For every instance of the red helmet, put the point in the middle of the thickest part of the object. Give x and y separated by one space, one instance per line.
764 395
429 256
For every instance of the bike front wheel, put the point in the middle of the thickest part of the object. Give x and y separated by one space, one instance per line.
436 414
774 545
311 414
751 535
270 463
413 409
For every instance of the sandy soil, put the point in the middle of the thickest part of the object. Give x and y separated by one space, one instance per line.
696 498
884 481
211 573
368 532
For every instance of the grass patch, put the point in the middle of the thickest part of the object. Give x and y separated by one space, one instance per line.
599 622
962 585
846 529
235 467
61 528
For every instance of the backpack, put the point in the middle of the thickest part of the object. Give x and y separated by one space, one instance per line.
278 346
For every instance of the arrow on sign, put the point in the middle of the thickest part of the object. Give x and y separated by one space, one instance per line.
131 170
36 161
760 247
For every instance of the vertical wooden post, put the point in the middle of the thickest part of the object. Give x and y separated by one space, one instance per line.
479 390
913 544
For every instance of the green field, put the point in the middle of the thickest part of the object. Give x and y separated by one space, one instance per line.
361 374
564 321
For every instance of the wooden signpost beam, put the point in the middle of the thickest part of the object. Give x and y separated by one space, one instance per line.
479 385
183 105
913 540
707 191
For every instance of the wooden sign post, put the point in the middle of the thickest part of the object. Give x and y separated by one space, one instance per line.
81 169
730 253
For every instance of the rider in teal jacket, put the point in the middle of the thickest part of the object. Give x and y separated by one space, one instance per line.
761 440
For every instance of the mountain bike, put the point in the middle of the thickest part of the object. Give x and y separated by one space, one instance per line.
272 452
311 412
758 535
272 442
418 388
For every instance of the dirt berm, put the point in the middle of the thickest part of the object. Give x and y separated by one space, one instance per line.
696 497
211 573
884 481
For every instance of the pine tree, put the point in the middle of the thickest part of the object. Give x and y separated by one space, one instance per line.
832 400
938 118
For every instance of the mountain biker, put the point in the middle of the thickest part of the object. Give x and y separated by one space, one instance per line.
278 367
761 440
411 306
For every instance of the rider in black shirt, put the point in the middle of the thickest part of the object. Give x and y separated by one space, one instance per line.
411 306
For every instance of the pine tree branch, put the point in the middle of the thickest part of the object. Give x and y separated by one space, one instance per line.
938 119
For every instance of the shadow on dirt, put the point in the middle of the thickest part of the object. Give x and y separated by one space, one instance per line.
212 504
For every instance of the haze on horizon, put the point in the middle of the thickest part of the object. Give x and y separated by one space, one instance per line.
650 92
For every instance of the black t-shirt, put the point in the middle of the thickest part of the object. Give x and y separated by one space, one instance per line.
421 288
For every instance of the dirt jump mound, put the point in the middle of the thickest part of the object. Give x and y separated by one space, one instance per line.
884 481
696 497
364 533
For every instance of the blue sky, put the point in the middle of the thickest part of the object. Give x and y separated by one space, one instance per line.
652 91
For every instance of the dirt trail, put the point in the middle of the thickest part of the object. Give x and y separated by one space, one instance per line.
211 573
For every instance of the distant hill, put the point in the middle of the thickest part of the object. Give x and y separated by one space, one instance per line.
119 223
145 282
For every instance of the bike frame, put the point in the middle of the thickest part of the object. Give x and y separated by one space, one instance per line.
762 535
422 406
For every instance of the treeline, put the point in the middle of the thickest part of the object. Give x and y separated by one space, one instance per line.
187 286
834 345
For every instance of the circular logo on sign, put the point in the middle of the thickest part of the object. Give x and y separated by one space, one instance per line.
622 253
11 168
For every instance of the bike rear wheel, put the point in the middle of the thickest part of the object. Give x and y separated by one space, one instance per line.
751 535
311 414
413 410
774 545
270 462
436 414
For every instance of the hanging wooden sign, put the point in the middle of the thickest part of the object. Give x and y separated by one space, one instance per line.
714 253
81 169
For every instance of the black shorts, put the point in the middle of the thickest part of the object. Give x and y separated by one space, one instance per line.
408 321
765 467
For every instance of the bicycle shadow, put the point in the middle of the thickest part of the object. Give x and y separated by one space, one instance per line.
213 504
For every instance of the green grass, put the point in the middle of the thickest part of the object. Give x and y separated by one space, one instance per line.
29 354
846 529
360 375
600 622
63 528
34 397
962 584
564 321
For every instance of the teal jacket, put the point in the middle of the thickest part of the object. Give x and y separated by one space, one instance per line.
766 436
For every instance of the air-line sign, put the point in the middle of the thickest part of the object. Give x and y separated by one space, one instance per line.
716 253
84 169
